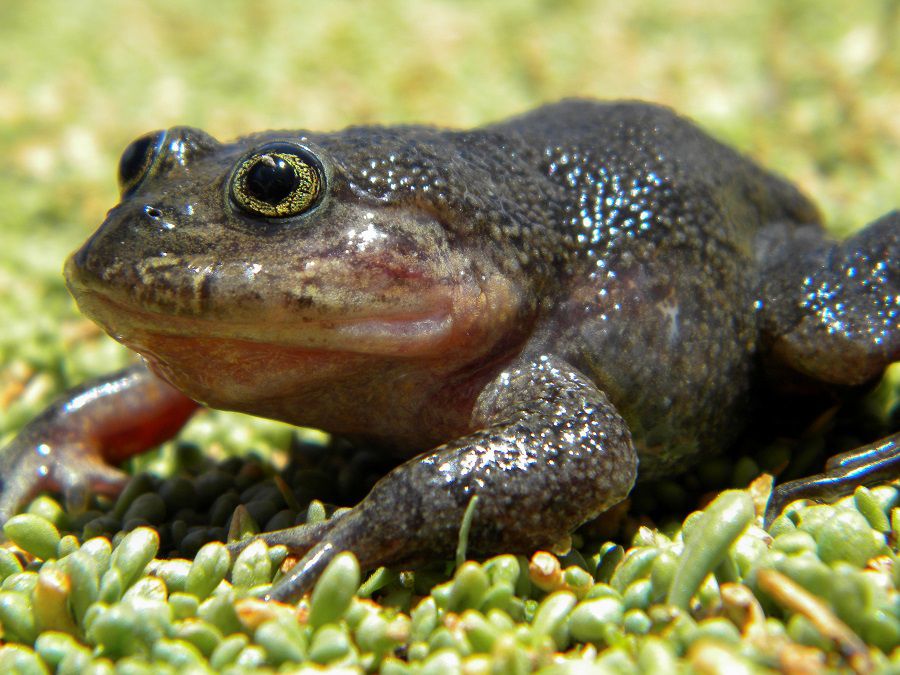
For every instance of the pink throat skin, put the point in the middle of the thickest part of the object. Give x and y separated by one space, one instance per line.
370 374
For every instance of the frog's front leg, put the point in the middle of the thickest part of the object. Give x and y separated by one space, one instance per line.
72 445
550 452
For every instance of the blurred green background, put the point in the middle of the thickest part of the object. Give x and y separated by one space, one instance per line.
808 87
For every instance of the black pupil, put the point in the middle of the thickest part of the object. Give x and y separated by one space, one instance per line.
134 160
271 180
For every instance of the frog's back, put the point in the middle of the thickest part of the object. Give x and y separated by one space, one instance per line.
659 220
588 142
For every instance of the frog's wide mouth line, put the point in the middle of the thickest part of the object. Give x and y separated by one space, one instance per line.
402 334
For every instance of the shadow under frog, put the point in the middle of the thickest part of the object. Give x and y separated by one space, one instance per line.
532 311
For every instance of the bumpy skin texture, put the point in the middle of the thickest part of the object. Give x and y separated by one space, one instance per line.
538 305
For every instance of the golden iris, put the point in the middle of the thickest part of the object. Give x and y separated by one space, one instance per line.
278 181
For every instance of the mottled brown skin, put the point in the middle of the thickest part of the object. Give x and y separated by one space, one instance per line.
537 306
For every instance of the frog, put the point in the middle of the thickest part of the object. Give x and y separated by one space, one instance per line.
524 316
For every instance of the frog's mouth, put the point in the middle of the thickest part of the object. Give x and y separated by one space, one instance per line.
428 318
274 360
399 334
410 332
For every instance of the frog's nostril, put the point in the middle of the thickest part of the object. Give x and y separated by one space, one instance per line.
152 212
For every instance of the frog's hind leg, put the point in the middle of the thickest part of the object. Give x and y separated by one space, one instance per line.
840 320
550 452
832 313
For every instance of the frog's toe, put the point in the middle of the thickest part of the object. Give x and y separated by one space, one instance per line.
318 544
15 490
302 577
868 465
360 530
352 531
298 539
79 474
76 470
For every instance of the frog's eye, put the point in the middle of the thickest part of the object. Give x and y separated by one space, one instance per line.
278 181
137 159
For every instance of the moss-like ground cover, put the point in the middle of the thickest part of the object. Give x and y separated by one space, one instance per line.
809 88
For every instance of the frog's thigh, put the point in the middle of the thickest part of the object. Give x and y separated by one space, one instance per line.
551 452
849 327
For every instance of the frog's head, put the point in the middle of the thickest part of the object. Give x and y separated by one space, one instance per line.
239 263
